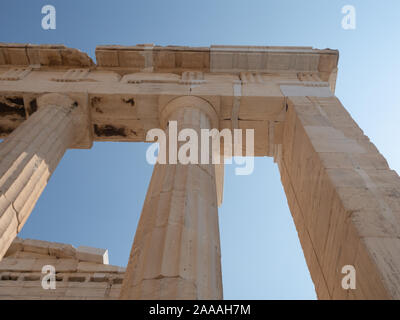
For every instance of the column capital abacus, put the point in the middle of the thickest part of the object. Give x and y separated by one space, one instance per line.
78 112
166 111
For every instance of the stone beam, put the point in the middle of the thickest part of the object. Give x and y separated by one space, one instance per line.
126 84
217 58
15 54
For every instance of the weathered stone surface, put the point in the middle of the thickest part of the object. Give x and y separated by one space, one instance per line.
85 253
46 55
349 209
21 272
344 198
27 159
176 251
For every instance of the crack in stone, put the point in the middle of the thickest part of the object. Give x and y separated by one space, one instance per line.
15 210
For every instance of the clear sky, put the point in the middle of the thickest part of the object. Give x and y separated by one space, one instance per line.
95 196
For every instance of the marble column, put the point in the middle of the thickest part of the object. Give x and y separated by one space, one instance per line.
176 250
345 201
28 157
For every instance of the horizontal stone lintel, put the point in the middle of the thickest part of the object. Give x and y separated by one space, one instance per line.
234 58
124 91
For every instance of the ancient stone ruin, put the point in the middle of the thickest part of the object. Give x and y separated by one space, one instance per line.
344 199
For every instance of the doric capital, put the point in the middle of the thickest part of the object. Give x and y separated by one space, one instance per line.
188 101
78 112
55 99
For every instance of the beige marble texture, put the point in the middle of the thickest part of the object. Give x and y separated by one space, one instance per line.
344 198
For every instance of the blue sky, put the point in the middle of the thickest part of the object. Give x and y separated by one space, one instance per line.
95 196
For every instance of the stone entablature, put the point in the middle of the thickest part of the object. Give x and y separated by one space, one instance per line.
81 273
126 88
40 55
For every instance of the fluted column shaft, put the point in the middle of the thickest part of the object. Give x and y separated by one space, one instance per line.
28 157
176 251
